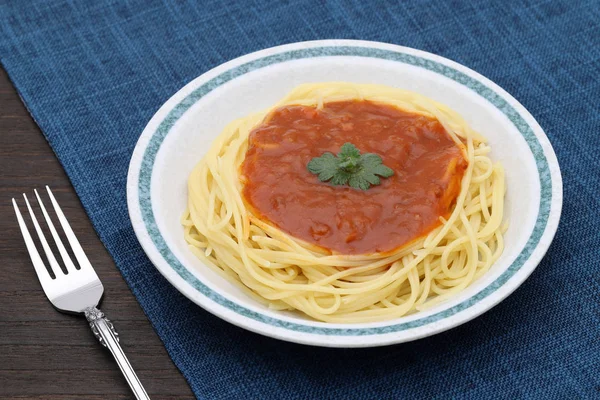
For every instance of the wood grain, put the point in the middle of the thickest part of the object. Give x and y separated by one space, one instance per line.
45 354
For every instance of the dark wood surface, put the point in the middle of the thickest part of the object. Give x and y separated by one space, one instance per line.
45 354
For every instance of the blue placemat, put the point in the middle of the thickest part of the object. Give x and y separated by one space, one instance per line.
92 73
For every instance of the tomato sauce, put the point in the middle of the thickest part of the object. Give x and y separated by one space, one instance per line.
278 188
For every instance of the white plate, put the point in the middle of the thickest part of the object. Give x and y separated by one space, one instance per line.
180 133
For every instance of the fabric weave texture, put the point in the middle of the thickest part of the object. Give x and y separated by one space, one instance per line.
92 73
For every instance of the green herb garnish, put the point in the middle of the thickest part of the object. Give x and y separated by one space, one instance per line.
350 168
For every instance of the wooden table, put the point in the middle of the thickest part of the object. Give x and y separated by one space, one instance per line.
45 354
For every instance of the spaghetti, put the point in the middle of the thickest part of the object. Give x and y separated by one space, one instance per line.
286 272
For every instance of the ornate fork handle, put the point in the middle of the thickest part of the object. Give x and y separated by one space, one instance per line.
105 333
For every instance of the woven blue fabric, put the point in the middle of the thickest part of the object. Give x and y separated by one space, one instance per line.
92 73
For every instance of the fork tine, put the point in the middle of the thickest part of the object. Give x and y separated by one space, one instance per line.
82 259
49 255
61 247
38 264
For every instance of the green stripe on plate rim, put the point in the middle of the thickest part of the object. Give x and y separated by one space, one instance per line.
449 72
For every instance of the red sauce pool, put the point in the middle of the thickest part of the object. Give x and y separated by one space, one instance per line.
428 169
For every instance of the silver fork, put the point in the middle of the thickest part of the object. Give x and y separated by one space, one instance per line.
77 291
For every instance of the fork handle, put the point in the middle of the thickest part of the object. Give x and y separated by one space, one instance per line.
105 333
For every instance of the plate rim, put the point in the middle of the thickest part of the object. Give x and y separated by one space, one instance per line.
140 205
